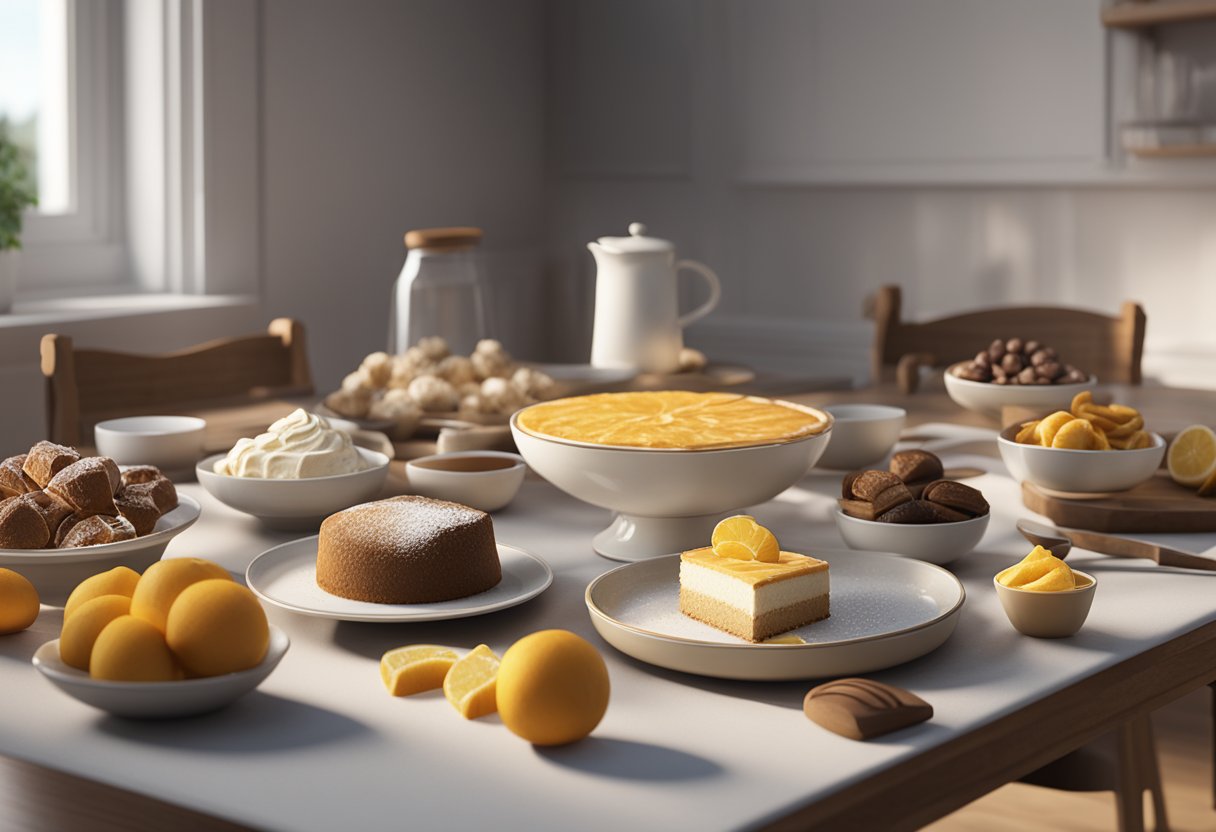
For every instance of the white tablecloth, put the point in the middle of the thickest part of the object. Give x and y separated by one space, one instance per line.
322 746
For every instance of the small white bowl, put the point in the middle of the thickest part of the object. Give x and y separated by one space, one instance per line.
1079 472
56 572
986 397
485 490
938 543
295 504
171 443
1048 614
862 434
158 700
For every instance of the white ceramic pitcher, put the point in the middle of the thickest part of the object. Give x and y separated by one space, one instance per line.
637 321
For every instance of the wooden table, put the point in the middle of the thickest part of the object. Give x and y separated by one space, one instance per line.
673 747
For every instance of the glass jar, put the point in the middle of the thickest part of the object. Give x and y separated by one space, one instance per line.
439 291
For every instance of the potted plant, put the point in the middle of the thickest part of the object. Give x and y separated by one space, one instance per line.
16 194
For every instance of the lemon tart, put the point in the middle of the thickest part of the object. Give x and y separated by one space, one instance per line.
672 420
752 599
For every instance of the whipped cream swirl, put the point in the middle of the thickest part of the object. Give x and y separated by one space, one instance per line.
298 446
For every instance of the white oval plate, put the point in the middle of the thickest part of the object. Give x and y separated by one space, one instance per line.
158 700
286 576
886 610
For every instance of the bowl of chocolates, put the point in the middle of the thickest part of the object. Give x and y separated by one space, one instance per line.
1015 372
911 510
64 517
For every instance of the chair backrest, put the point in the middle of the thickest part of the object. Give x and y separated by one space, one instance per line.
87 386
1109 347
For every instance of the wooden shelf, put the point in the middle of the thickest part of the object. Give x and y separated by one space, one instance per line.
1137 15
1181 151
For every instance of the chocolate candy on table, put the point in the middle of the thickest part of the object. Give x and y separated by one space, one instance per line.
861 709
1018 362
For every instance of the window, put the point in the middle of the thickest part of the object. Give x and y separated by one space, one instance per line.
60 97
128 130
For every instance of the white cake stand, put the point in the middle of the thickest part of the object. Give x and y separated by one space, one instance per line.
667 501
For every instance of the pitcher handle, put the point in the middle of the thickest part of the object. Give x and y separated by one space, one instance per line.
715 291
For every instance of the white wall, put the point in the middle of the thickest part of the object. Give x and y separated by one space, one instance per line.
802 228
384 116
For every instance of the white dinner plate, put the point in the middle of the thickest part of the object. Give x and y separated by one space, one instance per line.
286 576
159 700
885 610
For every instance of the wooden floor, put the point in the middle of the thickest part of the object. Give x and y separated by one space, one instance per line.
1184 743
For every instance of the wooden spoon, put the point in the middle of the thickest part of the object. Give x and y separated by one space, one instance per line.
1060 541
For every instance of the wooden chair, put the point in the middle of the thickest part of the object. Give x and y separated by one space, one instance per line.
87 386
1110 348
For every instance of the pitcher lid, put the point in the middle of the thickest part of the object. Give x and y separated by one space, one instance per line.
636 243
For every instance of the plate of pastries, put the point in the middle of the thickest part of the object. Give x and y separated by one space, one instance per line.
61 512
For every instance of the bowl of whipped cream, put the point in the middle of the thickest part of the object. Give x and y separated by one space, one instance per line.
297 473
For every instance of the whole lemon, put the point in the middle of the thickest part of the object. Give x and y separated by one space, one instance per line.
164 580
120 580
80 632
216 627
18 602
130 649
552 688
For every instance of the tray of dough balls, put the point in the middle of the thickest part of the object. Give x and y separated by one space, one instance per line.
428 386
62 516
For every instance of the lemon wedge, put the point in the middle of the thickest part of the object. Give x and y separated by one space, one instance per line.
416 667
471 683
742 538
1191 458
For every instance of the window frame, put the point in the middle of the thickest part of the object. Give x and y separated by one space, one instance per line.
85 246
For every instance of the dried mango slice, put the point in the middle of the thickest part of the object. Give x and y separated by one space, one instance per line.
1047 429
1026 436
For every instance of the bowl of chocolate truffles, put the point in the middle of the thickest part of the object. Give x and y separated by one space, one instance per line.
64 517
911 510
1016 372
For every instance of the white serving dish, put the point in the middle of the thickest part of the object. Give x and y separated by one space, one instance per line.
1079 472
286 577
666 500
862 435
172 443
938 543
158 700
885 610
989 398
295 504
56 572
484 490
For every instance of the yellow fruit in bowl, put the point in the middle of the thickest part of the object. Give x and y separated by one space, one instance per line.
415 668
18 602
552 688
120 580
217 626
130 649
1191 457
80 632
471 682
164 580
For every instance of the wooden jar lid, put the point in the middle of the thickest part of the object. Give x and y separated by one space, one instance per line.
454 237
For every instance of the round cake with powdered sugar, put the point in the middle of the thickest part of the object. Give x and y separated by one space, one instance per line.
407 550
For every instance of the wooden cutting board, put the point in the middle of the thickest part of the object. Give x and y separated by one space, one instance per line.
1158 505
